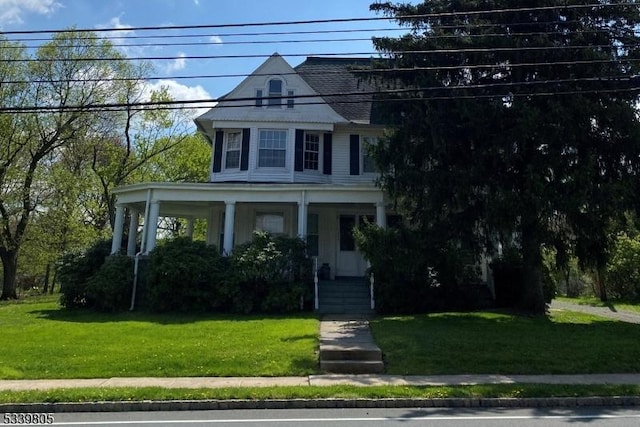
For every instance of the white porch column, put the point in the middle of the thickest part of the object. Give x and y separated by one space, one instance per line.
381 216
133 232
229 226
189 230
117 230
152 226
302 216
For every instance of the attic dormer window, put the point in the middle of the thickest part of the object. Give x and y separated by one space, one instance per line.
275 93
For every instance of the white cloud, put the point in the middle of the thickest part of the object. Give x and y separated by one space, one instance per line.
196 2
215 39
178 63
12 11
180 92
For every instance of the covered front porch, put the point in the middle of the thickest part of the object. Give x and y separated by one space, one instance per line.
322 214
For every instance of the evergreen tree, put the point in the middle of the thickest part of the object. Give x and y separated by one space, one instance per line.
513 122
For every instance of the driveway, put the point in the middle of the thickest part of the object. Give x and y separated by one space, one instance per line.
610 312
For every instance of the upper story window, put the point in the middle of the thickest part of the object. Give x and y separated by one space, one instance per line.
272 148
311 151
232 151
368 164
275 93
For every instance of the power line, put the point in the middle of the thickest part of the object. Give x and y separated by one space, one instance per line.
329 21
232 102
329 54
298 41
372 71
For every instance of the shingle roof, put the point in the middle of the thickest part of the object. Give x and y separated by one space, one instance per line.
335 76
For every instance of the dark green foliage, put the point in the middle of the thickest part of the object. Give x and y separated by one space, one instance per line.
184 275
269 274
110 288
484 150
75 270
623 270
508 280
413 276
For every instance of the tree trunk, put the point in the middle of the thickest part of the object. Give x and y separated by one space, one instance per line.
47 274
601 285
10 269
532 296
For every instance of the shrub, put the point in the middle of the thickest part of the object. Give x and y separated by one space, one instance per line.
184 275
110 288
76 268
269 274
623 269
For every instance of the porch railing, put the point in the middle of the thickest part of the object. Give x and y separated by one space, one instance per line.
316 302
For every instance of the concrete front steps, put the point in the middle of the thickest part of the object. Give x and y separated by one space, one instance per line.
347 347
344 296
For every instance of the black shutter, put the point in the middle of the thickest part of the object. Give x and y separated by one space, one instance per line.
354 155
244 153
327 153
299 151
217 151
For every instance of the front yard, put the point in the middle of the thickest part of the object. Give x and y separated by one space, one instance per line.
43 341
493 343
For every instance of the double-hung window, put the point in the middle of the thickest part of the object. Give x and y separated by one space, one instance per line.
275 93
232 153
272 148
311 151
368 164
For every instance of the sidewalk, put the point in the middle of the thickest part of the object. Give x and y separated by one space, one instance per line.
320 380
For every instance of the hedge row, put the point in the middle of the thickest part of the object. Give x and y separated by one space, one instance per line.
268 274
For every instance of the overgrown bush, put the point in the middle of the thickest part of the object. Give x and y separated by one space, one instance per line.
269 274
110 288
185 275
623 269
412 277
76 268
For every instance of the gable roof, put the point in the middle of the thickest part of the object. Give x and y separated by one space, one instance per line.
335 76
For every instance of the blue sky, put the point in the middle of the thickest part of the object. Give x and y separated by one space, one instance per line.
18 15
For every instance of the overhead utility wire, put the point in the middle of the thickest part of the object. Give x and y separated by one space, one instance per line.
283 33
373 71
329 21
297 41
330 54
611 79
200 35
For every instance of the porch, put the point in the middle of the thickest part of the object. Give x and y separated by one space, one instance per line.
322 214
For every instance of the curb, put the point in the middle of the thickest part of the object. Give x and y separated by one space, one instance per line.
198 405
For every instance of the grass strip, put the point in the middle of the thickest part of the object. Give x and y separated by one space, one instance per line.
596 302
313 392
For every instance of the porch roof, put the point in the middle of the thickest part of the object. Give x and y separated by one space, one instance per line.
193 197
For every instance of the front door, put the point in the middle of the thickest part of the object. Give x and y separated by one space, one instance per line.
350 261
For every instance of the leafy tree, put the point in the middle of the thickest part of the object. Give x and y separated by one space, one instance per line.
513 122
64 76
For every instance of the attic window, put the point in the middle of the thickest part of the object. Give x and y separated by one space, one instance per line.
259 98
275 93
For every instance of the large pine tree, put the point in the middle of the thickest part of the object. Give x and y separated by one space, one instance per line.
515 121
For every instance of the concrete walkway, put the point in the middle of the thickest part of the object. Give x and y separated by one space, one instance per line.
320 380
611 313
347 346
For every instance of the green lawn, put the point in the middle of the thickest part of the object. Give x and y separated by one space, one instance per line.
43 341
595 302
493 343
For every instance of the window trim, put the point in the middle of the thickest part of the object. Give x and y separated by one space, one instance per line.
285 149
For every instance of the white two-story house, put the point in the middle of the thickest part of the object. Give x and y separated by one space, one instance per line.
289 156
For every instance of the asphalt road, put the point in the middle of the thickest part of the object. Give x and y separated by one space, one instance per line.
550 417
